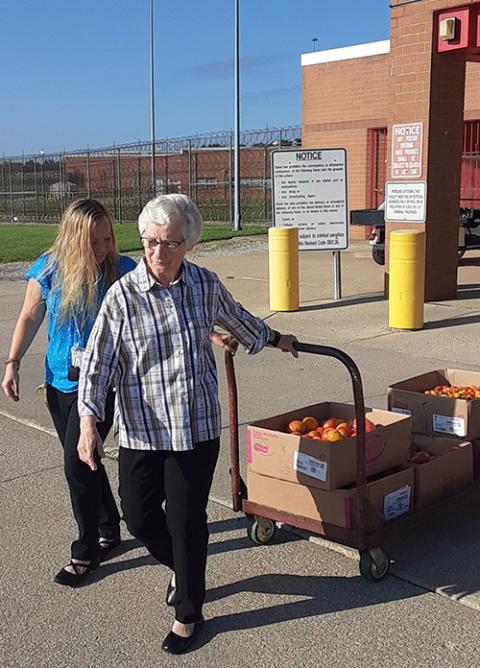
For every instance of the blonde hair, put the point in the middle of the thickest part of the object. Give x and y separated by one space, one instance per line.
73 261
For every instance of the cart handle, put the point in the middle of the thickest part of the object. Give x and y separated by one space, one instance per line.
237 486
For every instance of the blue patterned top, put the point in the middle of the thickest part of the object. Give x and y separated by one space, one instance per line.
63 334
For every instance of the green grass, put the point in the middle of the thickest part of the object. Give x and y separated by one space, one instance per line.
27 241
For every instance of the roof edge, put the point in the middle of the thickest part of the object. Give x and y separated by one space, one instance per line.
346 53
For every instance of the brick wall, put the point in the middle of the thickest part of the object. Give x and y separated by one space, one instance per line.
343 99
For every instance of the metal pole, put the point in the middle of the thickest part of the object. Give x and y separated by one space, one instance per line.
139 180
337 275
190 168
61 167
230 184
236 185
165 168
114 191
89 193
36 187
22 183
11 187
152 105
4 191
119 188
44 210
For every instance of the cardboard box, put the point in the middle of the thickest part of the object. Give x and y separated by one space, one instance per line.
438 415
391 496
273 452
445 475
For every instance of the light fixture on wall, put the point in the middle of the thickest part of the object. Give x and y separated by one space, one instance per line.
448 28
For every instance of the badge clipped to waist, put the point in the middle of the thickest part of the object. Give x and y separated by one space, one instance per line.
76 356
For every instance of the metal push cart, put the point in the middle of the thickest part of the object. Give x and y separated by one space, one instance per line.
367 533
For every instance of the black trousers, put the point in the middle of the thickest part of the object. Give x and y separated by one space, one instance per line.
177 537
93 505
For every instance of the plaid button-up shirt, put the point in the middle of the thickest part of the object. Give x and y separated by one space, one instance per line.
153 344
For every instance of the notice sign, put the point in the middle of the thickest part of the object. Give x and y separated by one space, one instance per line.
405 202
310 192
407 143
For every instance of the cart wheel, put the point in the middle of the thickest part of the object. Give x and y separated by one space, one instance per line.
374 570
261 530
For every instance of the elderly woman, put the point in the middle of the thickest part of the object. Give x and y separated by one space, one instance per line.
151 339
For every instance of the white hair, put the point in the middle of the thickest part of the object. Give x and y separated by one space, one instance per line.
173 208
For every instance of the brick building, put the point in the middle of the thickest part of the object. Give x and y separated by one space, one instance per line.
347 99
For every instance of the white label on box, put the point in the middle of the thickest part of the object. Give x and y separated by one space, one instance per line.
397 503
403 411
449 425
315 468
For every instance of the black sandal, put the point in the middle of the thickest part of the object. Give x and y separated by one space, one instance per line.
107 545
76 579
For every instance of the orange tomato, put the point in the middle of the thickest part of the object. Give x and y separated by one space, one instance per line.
343 429
330 422
310 423
297 425
333 436
312 434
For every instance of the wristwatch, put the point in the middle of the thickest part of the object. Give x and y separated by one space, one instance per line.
274 339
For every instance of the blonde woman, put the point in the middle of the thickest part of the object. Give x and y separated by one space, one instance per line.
68 284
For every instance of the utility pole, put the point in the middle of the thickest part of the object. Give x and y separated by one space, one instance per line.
236 148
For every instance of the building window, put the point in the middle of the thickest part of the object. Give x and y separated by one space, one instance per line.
377 166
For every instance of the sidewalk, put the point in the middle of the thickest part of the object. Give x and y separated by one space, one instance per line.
292 602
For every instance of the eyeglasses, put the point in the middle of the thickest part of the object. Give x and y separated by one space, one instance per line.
153 243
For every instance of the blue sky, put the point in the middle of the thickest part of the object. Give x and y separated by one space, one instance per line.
76 74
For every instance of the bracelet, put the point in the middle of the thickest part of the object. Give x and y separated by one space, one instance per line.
276 338
13 359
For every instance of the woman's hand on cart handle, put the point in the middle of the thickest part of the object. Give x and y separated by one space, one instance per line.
286 343
225 341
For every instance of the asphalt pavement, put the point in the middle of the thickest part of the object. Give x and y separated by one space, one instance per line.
297 601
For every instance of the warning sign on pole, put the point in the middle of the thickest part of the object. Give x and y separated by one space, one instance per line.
309 190
405 202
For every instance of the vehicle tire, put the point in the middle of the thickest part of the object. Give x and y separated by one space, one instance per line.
378 255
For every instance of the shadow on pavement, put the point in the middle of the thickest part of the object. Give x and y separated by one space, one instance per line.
322 594
352 301
439 550
453 322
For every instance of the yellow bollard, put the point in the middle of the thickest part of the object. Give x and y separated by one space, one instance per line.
407 279
283 268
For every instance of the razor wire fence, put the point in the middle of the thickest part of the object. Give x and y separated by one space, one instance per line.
38 188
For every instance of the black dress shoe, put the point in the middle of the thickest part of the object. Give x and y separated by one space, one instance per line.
76 579
175 644
171 591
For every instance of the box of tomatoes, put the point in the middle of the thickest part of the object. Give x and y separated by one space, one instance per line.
443 466
443 402
316 445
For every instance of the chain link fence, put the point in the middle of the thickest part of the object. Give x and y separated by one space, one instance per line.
37 188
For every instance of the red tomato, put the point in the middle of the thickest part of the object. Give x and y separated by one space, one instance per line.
421 457
369 425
